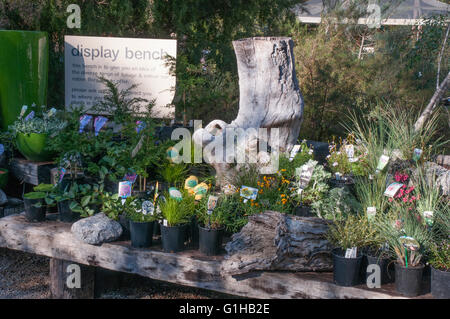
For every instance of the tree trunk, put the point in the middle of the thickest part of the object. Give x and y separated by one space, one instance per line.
275 241
433 102
269 98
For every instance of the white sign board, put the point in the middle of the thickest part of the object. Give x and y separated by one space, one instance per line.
125 60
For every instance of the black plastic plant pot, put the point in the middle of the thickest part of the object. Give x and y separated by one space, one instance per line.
386 276
33 213
125 223
194 232
408 280
346 271
141 234
173 238
65 213
440 284
157 229
210 240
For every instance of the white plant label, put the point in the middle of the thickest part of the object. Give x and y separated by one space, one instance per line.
294 152
392 189
371 212
351 252
350 151
382 162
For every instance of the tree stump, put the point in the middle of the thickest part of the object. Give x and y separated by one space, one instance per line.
60 270
269 98
275 241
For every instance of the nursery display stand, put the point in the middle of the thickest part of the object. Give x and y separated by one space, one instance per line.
189 268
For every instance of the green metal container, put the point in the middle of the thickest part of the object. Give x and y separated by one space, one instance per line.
32 146
23 72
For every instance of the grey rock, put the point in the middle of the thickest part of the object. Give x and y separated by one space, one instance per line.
97 229
3 198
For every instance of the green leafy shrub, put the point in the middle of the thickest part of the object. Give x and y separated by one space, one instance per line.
43 122
338 204
439 256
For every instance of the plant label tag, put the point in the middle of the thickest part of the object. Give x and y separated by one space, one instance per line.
30 116
23 110
212 202
175 194
84 120
156 192
392 189
131 177
62 172
304 173
409 243
248 193
350 151
165 222
148 208
382 162
428 216
2 149
125 189
294 152
371 212
351 252
138 147
417 154
51 112
140 126
99 122
338 176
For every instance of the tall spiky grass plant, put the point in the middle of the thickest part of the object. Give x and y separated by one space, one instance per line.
400 223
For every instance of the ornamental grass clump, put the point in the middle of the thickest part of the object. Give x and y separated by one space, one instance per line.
354 231
406 236
177 212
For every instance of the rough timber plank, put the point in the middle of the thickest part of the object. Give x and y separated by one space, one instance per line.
189 268
30 172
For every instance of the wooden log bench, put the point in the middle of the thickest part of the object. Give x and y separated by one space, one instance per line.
189 268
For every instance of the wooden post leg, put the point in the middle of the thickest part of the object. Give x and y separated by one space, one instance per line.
65 276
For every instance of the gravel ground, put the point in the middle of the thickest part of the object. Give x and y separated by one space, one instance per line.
26 276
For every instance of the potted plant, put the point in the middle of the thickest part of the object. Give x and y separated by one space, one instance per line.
211 222
346 161
408 239
314 191
31 133
34 202
141 223
172 175
82 200
439 260
176 214
348 236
